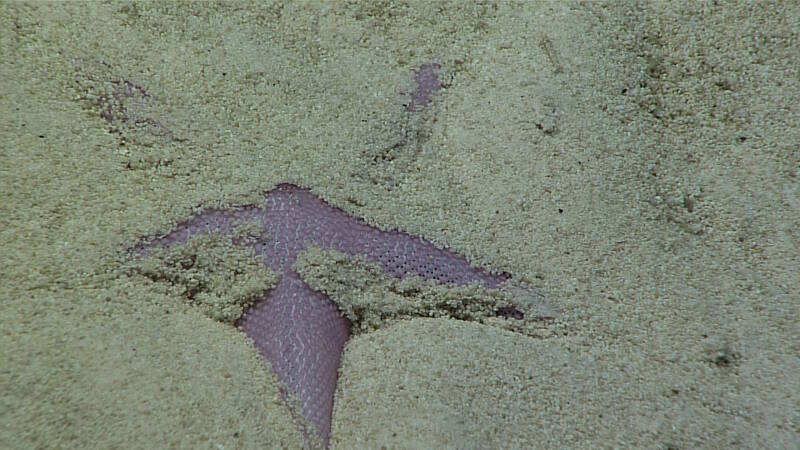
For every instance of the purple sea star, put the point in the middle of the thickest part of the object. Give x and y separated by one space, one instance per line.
298 330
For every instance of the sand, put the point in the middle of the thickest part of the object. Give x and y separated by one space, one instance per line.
637 163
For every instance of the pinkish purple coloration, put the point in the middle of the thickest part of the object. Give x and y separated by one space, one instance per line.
298 330
428 84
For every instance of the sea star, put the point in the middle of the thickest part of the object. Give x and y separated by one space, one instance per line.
300 331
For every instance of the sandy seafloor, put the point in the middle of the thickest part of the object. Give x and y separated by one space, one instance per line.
637 163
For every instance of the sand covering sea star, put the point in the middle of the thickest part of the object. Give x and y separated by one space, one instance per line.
299 330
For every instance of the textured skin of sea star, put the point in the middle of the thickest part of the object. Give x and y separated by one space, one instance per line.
301 331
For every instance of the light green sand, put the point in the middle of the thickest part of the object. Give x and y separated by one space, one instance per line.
638 164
